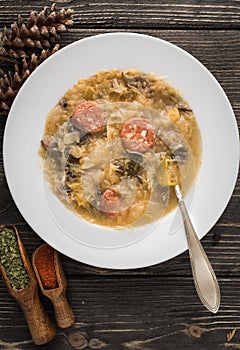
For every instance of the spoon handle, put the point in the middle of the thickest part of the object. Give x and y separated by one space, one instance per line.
204 277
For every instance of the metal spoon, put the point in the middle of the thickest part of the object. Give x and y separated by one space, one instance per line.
205 280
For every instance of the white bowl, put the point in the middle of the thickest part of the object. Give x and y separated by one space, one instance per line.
42 91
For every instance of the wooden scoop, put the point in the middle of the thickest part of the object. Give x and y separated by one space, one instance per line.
40 326
63 312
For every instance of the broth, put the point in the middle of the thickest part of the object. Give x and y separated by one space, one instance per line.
99 173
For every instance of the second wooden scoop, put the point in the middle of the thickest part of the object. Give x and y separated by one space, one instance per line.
63 311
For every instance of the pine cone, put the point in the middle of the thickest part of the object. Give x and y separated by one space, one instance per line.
40 32
10 82
25 45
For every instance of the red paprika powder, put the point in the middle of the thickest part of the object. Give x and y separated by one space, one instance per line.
44 262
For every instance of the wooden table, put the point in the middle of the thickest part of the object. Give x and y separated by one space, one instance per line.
155 307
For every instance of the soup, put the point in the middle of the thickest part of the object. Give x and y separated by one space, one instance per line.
117 143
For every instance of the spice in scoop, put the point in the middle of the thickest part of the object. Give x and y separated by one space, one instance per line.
44 263
11 260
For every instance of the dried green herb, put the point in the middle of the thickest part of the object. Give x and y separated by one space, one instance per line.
11 259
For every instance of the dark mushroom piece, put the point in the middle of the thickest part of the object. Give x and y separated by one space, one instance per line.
182 108
63 103
134 81
180 152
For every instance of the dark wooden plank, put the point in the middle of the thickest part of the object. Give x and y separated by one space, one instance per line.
144 14
217 50
140 314
222 244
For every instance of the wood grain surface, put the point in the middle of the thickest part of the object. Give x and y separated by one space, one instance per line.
154 308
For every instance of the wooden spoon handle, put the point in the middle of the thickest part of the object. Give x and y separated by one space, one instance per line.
40 326
63 312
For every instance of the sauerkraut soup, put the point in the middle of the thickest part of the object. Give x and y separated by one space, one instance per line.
115 146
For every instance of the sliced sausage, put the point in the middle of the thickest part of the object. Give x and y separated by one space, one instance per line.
111 203
138 134
88 117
